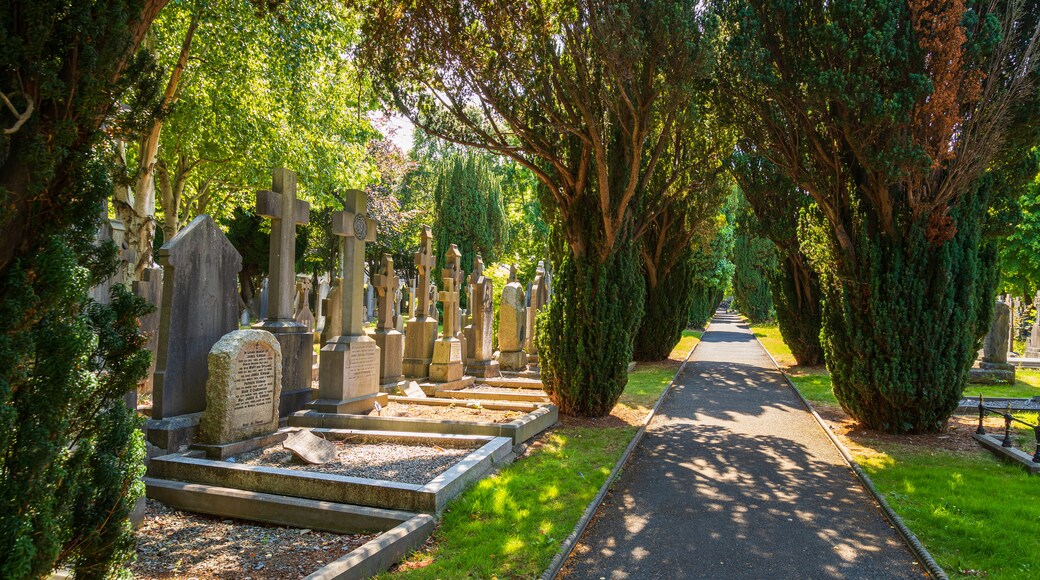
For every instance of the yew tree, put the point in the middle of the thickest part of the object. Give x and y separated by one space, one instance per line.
894 117
586 94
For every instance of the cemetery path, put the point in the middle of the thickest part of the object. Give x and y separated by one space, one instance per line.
735 479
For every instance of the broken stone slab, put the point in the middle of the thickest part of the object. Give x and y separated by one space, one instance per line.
310 448
412 389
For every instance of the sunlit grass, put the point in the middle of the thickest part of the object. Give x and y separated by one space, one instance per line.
1027 384
812 382
769 334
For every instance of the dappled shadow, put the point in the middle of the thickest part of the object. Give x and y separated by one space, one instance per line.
734 479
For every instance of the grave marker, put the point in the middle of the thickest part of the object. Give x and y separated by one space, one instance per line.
242 392
447 351
390 341
421 332
512 324
480 338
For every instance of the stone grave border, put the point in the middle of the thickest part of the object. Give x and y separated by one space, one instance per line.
491 396
432 497
571 541
994 444
380 553
908 537
539 417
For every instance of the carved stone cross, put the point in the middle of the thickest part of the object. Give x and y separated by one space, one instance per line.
354 229
424 264
450 296
286 212
386 283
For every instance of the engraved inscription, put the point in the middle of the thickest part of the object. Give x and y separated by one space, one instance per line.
253 380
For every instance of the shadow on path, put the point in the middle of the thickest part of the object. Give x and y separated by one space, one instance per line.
735 479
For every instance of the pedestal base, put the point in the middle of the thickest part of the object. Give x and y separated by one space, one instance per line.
1032 352
485 369
391 353
992 374
420 335
447 360
361 405
297 342
513 361
172 434
348 376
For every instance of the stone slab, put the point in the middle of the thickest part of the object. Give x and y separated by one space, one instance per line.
512 361
223 451
362 404
173 433
420 335
412 389
391 355
485 369
447 360
381 553
309 448
1013 454
273 509
430 387
297 342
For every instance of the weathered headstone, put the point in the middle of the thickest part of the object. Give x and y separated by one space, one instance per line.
539 297
453 264
333 312
113 230
1033 344
390 341
512 324
421 332
994 367
348 374
286 212
309 448
199 306
149 287
265 292
447 351
370 300
412 389
480 340
399 309
242 392
302 304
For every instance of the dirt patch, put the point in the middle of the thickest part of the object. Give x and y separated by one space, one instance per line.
177 544
460 412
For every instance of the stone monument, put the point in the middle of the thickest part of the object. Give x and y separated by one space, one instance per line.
286 212
1033 344
994 368
421 332
480 340
390 341
302 303
242 392
149 287
539 297
333 312
512 324
348 374
447 351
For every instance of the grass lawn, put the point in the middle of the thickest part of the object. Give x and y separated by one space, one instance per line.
511 525
947 498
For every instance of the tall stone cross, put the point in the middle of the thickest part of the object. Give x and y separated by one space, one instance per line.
354 229
386 283
424 264
286 212
450 295
478 271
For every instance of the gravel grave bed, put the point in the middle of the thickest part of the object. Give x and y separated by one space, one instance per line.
178 544
503 390
461 412
418 464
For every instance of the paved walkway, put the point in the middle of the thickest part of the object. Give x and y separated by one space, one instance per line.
735 479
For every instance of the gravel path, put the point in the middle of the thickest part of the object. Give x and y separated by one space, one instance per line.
177 544
417 464
460 412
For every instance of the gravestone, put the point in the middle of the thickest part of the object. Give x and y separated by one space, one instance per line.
348 373
453 264
333 312
242 392
432 308
113 230
370 300
399 310
480 340
421 332
199 306
1033 344
309 448
264 295
390 341
149 287
319 305
447 351
994 368
539 297
302 304
286 212
512 322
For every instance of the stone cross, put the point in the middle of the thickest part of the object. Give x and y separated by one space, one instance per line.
286 212
478 271
354 230
424 264
386 283
450 295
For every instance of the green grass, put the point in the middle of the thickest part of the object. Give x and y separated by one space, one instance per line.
512 524
976 515
769 335
1027 384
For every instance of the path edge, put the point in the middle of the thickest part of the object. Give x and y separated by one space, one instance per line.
909 538
571 541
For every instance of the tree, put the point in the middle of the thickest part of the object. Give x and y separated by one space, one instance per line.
754 262
712 268
584 94
892 116
70 468
794 286
1020 246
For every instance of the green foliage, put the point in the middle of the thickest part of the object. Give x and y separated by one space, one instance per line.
1020 248
667 310
754 261
584 333
712 269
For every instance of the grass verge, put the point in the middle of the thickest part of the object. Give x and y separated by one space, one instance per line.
511 525
945 495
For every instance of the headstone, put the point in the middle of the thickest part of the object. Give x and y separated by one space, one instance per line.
994 367
333 312
242 392
447 351
370 300
199 306
390 341
539 297
286 212
1033 344
480 338
113 230
309 448
453 263
149 287
412 389
432 308
512 324
319 305
264 296
399 308
421 331
348 373
303 302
